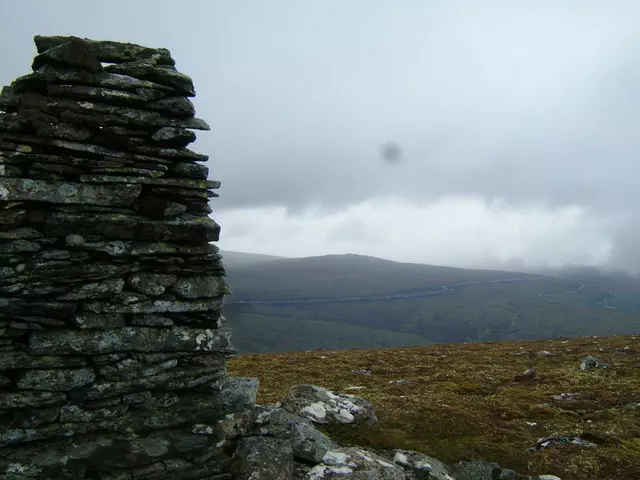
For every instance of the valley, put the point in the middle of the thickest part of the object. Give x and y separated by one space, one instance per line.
353 301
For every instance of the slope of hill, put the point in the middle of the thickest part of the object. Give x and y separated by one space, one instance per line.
610 289
257 333
236 259
345 276
461 401
317 302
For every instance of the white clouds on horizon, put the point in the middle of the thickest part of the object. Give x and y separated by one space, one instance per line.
532 102
453 231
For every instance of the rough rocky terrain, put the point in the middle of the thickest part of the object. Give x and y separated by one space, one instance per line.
463 402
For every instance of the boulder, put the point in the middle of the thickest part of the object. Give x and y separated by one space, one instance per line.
355 464
422 466
308 443
591 362
74 52
526 376
476 470
323 406
261 458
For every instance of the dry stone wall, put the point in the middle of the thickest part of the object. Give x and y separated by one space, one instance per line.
112 341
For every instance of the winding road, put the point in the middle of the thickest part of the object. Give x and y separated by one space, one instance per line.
549 297
430 291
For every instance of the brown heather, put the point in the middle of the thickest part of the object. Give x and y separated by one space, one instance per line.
464 402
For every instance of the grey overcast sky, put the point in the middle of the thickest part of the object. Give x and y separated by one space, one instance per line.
455 132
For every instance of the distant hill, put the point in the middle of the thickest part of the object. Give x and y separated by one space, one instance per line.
355 301
344 275
235 259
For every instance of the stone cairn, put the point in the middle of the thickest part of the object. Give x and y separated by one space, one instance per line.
112 342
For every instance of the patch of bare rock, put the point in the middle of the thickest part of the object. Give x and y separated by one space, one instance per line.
281 442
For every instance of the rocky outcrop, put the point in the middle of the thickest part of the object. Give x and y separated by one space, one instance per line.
112 341
281 442
322 406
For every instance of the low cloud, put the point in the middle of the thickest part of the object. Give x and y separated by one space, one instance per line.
389 128
457 231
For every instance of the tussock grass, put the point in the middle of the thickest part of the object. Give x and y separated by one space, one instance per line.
463 402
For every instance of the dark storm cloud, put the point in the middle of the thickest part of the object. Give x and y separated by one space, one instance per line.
531 101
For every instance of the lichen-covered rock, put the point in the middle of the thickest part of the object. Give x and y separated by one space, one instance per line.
74 53
130 339
178 137
97 113
56 380
308 443
175 379
190 170
180 106
140 97
422 466
98 321
591 362
130 368
199 287
151 321
169 182
156 306
29 398
77 414
355 464
323 406
20 307
151 283
67 192
237 393
147 70
103 289
476 470
260 458
109 51
127 227
13 359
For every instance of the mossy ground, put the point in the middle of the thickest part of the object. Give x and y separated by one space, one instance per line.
464 402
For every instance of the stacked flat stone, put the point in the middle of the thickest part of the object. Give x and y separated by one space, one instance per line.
112 341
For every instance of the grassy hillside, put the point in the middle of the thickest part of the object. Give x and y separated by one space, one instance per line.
350 301
614 290
463 402
255 333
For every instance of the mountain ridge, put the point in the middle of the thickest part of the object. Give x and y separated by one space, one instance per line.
332 301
